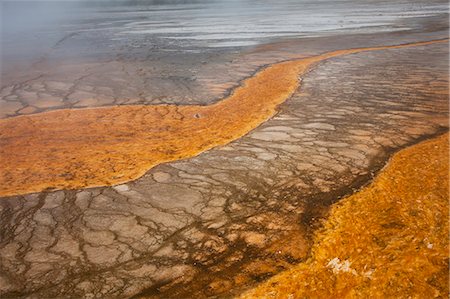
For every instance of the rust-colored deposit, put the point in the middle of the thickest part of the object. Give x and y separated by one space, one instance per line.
68 149
390 240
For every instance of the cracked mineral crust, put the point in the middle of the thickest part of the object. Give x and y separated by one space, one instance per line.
213 223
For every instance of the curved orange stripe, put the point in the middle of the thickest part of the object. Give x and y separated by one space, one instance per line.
68 149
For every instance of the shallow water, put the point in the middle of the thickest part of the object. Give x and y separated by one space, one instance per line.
84 28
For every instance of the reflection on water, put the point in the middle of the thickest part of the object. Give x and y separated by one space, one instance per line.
210 23
244 22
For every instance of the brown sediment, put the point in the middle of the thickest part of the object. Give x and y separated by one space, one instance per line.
389 240
69 149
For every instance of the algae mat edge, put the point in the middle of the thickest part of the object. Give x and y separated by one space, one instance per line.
389 240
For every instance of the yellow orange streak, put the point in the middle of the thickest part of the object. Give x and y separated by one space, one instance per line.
390 240
68 149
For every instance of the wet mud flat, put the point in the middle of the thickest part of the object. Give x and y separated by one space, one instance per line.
233 216
214 223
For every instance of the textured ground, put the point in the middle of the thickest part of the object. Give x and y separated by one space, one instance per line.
390 240
213 223
71 149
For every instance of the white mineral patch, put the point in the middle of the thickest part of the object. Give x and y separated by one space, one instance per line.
121 188
337 266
